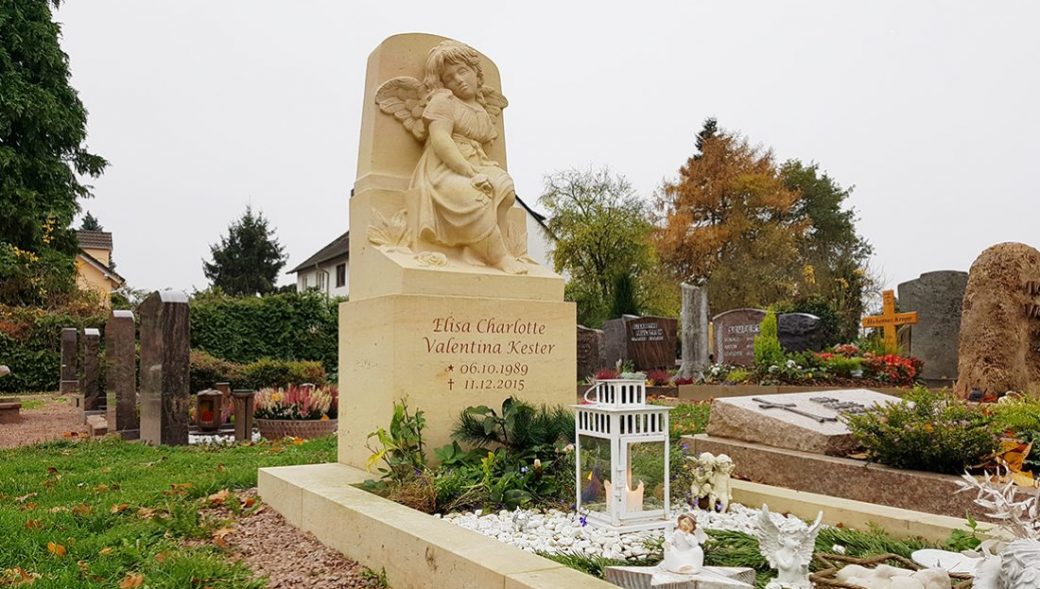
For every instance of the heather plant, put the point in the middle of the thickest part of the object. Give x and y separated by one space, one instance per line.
296 402
926 430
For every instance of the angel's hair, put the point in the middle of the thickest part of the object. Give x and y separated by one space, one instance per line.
452 52
689 516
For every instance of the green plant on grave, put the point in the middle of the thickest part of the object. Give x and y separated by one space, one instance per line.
737 376
401 450
926 430
767 343
524 429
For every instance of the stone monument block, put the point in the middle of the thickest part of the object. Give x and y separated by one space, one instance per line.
121 375
590 348
937 297
735 333
69 381
90 385
1000 323
445 307
694 318
798 332
652 342
797 421
165 347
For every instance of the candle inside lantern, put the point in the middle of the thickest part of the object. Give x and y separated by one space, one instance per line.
633 499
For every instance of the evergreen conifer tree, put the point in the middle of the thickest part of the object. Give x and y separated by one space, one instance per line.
248 260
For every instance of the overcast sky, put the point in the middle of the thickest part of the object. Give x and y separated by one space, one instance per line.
930 109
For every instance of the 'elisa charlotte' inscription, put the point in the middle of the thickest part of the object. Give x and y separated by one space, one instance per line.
451 336
497 351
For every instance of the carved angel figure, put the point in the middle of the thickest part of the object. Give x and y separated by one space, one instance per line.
463 195
682 550
788 548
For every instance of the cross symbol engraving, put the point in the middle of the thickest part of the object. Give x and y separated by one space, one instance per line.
889 319
450 383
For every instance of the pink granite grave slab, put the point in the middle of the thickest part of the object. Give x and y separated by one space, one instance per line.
818 428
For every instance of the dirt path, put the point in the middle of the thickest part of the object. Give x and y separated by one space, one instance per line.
54 419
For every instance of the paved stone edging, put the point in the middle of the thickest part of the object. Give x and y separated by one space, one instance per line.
416 550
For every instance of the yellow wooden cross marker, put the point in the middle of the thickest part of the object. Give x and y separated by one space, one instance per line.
889 319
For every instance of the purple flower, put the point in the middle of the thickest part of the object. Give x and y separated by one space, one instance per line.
523 470
584 520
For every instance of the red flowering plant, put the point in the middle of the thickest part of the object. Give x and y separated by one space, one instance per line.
607 374
658 378
300 402
893 368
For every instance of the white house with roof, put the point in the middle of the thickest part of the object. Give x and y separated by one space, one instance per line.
327 270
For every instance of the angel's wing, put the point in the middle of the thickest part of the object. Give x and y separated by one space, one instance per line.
404 98
494 102
768 536
808 543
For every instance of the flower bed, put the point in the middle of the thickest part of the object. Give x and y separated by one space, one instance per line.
301 411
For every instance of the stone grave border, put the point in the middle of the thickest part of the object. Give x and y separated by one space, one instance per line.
847 478
421 551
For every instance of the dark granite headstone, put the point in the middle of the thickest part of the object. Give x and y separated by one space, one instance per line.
243 400
651 342
937 297
590 344
121 375
798 332
615 340
735 333
165 347
90 385
69 376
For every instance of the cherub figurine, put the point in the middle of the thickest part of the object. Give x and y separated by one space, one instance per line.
682 550
788 549
463 195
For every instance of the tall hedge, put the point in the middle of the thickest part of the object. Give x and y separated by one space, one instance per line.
30 343
283 326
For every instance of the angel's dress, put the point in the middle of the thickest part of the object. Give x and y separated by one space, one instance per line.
685 554
451 210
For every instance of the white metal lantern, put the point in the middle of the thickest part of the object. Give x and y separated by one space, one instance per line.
622 450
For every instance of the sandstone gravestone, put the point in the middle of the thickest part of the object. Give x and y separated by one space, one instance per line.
798 332
121 375
735 333
694 318
811 422
90 385
1000 324
651 342
69 361
445 306
937 297
590 345
615 340
165 398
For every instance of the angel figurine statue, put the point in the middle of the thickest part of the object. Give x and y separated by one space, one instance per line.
682 550
788 548
463 196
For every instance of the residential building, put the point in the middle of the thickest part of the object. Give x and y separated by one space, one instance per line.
94 264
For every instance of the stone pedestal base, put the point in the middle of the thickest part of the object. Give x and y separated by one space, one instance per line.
446 353
707 578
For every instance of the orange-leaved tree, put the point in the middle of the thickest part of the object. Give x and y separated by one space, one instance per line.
731 222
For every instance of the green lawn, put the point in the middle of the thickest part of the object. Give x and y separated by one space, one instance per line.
98 514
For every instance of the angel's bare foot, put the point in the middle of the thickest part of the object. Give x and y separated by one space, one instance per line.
510 265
